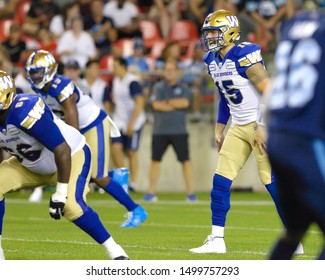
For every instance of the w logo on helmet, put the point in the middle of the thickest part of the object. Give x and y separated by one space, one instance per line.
6 82
233 21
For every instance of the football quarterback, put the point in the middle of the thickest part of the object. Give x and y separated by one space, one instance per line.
239 73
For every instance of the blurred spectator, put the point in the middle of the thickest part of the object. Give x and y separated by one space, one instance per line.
125 18
5 61
137 63
15 45
129 116
8 8
84 7
197 10
98 87
40 14
76 44
101 28
62 22
47 42
165 13
171 50
21 82
267 14
194 75
248 26
72 70
170 101
144 7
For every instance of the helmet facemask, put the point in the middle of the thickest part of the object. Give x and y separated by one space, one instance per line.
215 42
40 68
219 30
7 90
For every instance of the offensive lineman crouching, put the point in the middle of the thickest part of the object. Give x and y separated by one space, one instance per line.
45 150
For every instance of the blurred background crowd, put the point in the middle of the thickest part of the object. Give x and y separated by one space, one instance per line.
86 35
145 32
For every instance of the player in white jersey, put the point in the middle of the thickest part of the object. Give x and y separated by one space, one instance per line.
240 76
45 150
78 110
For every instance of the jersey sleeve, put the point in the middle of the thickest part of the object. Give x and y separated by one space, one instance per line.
223 111
135 89
107 94
36 119
62 88
247 54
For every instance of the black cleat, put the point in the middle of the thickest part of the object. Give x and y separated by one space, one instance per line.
123 258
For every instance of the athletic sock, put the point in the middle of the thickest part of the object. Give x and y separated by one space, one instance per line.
218 231
90 223
271 188
116 191
220 200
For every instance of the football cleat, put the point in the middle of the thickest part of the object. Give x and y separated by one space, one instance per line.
219 30
135 218
121 258
299 250
212 244
7 90
149 197
40 68
116 252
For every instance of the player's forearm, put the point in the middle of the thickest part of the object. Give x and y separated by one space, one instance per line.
71 118
62 155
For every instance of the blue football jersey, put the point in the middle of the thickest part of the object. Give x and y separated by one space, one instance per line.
32 132
297 100
229 75
62 88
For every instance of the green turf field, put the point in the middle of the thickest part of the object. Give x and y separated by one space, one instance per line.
173 227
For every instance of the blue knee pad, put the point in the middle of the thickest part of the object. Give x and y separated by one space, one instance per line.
220 200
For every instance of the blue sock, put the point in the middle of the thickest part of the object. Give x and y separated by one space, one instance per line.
220 200
90 223
116 191
2 213
273 192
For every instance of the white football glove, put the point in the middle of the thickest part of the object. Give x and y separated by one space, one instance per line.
57 201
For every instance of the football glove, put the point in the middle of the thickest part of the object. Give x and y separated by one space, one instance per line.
57 201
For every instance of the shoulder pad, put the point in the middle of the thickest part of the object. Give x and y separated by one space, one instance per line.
248 54
62 87
27 110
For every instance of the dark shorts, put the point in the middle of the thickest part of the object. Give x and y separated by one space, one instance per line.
129 143
299 166
161 142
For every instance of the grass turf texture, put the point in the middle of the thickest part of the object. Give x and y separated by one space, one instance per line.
173 227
